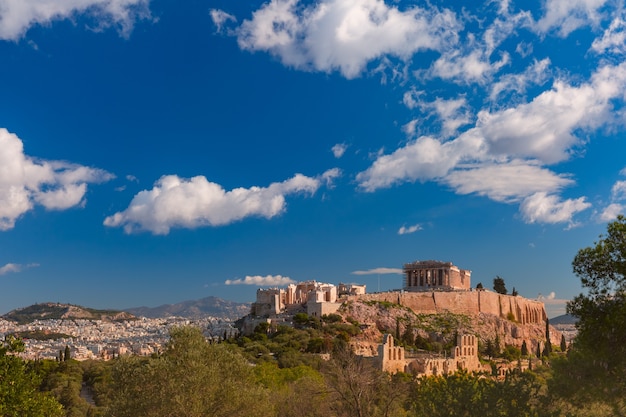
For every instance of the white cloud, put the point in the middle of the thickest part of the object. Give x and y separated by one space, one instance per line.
501 157
220 18
423 159
618 191
261 281
611 212
545 208
345 35
550 296
17 16
379 271
613 39
554 306
536 74
197 202
25 181
339 149
10 267
565 16
452 113
506 182
472 67
329 177
524 49
411 98
408 230
618 200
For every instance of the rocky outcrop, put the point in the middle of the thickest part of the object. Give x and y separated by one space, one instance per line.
439 315
515 308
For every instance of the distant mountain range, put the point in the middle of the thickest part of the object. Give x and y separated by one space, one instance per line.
564 319
193 309
209 306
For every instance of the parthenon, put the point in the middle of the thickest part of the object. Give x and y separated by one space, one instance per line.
430 275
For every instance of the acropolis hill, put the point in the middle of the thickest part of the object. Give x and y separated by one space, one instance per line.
430 288
519 309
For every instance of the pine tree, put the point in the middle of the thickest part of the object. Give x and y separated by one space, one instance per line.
524 349
498 285
68 354
563 343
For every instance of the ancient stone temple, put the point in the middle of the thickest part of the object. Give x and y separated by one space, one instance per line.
392 358
435 275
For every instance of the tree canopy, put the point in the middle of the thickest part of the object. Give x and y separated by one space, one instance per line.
498 285
600 345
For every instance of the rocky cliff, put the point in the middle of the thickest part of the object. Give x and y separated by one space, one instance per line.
438 315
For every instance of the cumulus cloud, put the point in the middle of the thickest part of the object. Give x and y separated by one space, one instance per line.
17 16
422 159
545 208
344 35
10 267
196 202
475 66
618 201
220 18
404 230
567 16
554 306
503 156
378 271
261 281
339 149
611 212
26 181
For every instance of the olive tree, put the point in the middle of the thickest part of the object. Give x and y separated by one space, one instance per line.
192 378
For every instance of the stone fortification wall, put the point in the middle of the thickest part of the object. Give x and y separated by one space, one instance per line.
472 303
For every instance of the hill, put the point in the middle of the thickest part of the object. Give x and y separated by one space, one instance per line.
438 328
48 311
564 319
209 306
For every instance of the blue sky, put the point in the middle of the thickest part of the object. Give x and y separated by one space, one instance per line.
153 152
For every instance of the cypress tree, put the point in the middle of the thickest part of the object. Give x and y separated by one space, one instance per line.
548 348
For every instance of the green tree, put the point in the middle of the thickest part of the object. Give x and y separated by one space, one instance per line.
19 386
597 356
468 395
524 349
548 346
563 343
192 378
68 354
498 285
479 286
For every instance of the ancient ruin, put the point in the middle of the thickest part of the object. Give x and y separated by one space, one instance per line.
392 358
435 275
315 297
